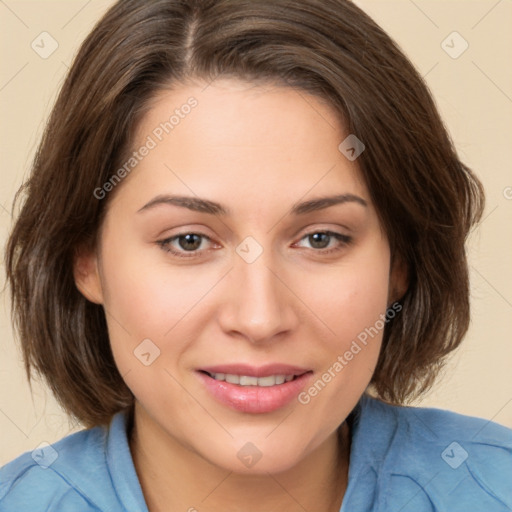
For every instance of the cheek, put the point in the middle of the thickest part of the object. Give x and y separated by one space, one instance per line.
141 301
146 298
353 305
145 294
352 298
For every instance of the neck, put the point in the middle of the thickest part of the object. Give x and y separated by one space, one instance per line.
173 477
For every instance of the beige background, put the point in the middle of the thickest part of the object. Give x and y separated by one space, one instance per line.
473 92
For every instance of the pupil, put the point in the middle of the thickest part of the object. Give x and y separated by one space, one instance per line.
319 240
190 243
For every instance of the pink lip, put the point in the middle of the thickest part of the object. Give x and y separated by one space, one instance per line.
255 399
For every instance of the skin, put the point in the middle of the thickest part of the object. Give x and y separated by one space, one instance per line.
257 150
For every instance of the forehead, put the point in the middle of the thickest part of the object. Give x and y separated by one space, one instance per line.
235 140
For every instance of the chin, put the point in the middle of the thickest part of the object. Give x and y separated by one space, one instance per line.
258 457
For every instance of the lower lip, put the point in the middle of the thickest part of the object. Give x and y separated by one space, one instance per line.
255 399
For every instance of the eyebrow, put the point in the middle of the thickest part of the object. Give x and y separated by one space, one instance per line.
211 207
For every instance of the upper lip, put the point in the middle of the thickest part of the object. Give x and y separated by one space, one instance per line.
256 371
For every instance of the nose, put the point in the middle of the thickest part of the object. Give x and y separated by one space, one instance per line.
259 305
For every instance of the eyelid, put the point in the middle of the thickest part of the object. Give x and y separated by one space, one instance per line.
320 227
343 239
165 244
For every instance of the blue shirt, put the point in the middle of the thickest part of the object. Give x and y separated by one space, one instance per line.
403 459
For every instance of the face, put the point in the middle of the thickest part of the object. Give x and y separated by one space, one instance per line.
242 251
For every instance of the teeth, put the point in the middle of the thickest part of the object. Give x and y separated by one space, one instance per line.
232 379
280 379
246 380
271 380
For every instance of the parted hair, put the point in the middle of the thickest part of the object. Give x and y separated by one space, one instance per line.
427 200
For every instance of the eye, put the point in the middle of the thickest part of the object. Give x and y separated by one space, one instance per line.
326 242
183 243
191 244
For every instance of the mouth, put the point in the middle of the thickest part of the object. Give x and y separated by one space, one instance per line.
250 380
254 390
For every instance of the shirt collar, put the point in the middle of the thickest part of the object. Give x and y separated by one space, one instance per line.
121 466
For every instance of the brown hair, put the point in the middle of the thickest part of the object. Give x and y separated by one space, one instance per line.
426 198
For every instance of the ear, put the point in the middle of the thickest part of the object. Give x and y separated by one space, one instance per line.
398 279
86 274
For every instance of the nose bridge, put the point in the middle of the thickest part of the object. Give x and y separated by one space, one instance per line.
259 305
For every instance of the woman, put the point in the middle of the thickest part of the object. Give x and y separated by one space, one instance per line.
240 252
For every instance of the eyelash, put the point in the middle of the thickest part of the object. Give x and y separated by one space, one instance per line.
344 241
